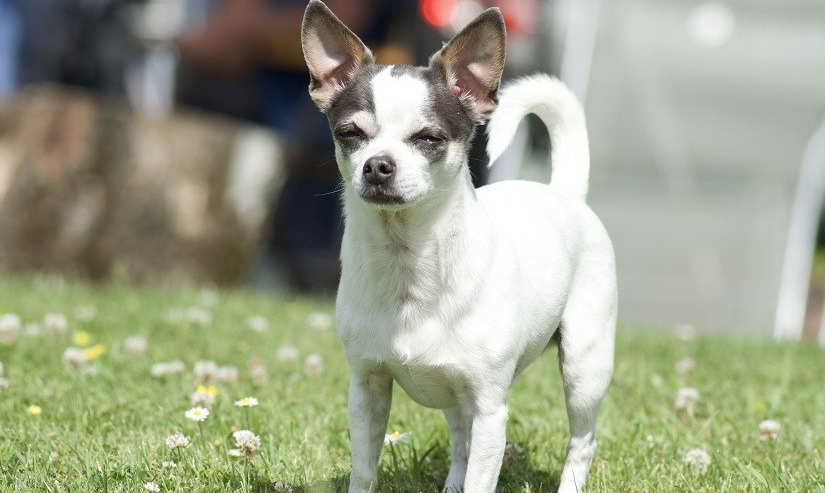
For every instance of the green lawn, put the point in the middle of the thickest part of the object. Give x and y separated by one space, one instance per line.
106 431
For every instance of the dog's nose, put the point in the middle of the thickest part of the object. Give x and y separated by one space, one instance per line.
378 170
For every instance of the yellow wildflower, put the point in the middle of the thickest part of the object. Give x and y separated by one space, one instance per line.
34 410
94 352
204 389
82 338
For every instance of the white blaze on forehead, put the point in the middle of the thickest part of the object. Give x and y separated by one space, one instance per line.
399 102
365 121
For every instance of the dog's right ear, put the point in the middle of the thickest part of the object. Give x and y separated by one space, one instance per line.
332 52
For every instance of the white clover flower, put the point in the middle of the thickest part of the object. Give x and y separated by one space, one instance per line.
257 323
197 414
199 398
319 320
168 464
396 437
247 442
685 366
769 430
3 383
226 373
177 440
136 345
171 368
247 402
697 460
74 357
151 486
313 365
55 322
205 370
287 352
656 380
85 313
686 398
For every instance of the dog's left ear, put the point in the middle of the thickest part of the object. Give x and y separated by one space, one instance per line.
473 62
333 53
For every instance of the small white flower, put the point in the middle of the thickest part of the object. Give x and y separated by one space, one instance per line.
10 325
136 345
685 332
686 398
85 313
150 486
74 357
197 414
171 368
396 437
685 366
769 430
319 320
313 365
287 352
257 323
698 460
55 322
168 464
656 380
205 399
247 442
205 370
226 373
3 383
247 402
177 440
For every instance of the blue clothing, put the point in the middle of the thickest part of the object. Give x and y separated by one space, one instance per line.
10 32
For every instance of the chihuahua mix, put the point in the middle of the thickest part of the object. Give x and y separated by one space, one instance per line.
448 290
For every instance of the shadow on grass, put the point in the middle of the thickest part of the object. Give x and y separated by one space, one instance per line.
427 475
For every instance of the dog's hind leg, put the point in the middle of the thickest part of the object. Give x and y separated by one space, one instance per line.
586 361
459 437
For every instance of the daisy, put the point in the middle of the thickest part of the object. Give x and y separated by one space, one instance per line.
177 440
136 345
205 370
319 320
151 486
81 338
287 352
313 365
698 460
769 430
55 322
197 414
685 366
74 357
94 352
686 398
34 410
247 402
226 373
257 323
247 443
396 437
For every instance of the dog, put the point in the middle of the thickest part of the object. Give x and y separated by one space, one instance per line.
448 290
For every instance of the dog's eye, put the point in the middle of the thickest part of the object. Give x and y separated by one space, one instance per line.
349 132
429 138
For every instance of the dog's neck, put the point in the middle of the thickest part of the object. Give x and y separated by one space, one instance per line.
414 254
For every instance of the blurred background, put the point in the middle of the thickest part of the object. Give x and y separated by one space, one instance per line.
173 141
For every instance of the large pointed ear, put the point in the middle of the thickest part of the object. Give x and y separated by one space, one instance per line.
332 52
473 62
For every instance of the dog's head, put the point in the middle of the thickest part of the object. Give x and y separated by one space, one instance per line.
402 133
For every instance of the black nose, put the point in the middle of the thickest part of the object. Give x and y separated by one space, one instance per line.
378 170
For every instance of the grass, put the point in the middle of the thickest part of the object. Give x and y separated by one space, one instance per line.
106 432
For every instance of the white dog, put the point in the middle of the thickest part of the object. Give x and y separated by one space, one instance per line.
448 290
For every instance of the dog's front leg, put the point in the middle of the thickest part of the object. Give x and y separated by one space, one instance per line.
370 397
488 438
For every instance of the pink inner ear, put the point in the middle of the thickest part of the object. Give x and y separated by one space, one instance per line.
456 91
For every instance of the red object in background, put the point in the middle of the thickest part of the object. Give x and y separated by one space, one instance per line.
520 16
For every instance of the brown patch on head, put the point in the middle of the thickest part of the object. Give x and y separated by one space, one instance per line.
473 62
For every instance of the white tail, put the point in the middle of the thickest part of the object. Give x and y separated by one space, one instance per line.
560 111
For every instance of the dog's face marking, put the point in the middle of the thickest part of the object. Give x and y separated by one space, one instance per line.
402 133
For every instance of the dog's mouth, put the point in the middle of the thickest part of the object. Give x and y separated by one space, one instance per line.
380 196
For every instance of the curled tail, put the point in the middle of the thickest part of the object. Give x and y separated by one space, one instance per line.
560 111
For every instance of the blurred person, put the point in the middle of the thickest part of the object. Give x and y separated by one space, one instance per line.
9 46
